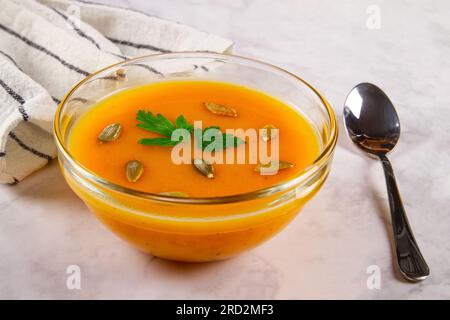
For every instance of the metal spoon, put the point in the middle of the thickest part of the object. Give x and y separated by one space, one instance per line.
373 125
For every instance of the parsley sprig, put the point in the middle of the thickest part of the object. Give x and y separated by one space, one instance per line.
163 126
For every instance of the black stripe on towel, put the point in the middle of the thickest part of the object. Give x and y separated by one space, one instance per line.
82 34
44 50
119 55
201 67
18 98
2 154
28 148
77 30
57 101
138 45
82 100
11 59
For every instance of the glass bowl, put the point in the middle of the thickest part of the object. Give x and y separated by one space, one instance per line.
196 229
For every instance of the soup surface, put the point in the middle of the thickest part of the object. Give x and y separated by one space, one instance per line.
298 143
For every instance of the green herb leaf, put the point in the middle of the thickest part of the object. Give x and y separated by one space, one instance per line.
158 124
181 123
161 125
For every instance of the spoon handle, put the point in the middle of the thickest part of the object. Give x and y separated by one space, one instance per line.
410 261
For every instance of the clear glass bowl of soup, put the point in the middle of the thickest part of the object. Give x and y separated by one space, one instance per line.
207 226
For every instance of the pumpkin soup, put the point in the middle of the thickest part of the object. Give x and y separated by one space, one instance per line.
127 139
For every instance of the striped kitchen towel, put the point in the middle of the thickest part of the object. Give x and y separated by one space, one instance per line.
46 46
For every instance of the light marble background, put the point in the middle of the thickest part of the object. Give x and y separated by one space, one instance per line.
325 252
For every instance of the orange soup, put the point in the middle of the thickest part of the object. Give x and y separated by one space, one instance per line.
298 143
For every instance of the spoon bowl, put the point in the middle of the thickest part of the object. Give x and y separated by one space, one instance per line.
371 120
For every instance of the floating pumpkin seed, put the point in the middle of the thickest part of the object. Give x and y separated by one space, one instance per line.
268 132
118 76
204 168
110 132
121 74
220 109
134 170
178 194
285 165
268 166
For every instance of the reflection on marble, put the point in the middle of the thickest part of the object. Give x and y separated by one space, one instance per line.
326 251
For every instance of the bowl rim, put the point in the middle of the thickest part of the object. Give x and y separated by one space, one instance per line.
321 159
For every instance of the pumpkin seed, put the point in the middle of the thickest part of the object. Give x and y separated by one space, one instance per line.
268 166
268 132
121 74
110 132
134 170
204 168
220 109
178 194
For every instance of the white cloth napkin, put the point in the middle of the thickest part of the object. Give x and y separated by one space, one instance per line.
46 46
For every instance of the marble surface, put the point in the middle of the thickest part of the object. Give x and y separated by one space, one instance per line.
345 229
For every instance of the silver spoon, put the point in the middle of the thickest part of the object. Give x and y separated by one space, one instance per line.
373 125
